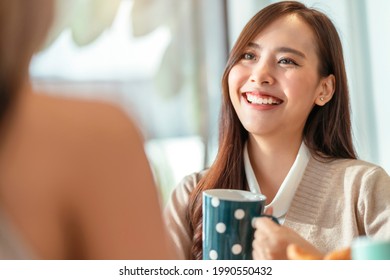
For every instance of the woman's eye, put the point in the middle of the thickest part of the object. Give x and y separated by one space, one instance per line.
287 61
248 56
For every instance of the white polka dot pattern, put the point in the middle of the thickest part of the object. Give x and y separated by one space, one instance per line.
239 214
236 249
220 227
215 202
213 255
227 225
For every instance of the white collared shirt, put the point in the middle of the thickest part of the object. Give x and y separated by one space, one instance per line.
285 194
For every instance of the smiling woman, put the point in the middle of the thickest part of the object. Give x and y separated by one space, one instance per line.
275 84
285 131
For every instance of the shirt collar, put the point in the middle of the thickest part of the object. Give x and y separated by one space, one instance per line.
285 194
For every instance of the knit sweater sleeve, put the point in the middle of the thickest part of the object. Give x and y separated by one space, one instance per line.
374 204
176 217
340 200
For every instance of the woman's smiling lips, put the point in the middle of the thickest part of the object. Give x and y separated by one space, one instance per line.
261 98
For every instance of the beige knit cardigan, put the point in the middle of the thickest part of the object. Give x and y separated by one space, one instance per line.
335 202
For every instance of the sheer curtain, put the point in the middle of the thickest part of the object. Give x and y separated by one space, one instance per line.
379 43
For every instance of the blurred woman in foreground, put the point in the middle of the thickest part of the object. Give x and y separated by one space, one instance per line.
74 180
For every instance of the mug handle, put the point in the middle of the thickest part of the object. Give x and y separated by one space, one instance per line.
274 219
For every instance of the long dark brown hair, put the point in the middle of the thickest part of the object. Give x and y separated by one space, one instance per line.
327 132
23 27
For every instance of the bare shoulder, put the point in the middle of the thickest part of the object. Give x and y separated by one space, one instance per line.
69 128
87 136
82 116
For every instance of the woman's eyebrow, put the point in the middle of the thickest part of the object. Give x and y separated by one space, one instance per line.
254 45
290 50
279 49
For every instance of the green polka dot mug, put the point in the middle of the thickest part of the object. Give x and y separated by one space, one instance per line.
227 223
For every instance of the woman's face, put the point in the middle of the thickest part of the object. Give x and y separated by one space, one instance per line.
275 84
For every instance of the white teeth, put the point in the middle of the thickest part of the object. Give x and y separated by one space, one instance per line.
260 100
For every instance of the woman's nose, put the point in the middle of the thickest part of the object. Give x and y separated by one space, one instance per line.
262 73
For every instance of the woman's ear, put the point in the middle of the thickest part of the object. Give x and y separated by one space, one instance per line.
326 90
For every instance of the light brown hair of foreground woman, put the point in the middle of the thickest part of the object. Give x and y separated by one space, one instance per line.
74 179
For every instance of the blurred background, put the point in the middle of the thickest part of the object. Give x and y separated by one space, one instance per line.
162 62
